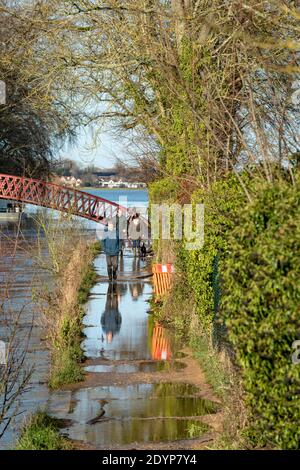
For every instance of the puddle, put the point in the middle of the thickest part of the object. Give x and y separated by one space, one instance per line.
125 432
117 325
147 366
121 369
144 412
162 407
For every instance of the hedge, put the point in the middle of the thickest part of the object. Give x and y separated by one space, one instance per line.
261 307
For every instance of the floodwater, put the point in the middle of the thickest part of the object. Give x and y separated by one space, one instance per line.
108 416
121 341
129 356
18 280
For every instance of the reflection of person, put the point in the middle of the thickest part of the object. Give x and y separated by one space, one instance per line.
122 286
111 247
136 288
111 318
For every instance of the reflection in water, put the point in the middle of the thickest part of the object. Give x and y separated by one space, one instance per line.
122 287
108 434
124 330
111 318
144 366
117 415
116 327
136 288
161 347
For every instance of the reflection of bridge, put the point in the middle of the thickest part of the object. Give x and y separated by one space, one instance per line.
53 196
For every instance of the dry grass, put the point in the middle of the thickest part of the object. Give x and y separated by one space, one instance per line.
221 373
70 264
64 317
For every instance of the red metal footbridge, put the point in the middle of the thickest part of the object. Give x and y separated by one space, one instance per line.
54 196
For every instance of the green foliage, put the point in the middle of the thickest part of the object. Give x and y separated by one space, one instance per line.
214 371
66 367
196 430
163 190
244 283
41 433
261 305
68 355
88 281
96 248
183 133
221 204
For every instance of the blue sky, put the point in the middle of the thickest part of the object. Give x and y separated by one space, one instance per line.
102 153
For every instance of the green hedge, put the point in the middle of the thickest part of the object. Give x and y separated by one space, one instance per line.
261 305
245 279
222 205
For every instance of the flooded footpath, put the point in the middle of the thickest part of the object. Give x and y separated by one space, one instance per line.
19 278
142 390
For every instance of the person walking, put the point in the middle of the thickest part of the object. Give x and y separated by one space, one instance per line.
121 225
111 247
134 229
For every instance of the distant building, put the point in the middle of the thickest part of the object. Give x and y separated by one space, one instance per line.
11 210
111 184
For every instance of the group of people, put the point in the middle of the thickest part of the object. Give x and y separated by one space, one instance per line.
118 230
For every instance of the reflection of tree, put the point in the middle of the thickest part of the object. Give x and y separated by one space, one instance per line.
111 318
158 429
14 374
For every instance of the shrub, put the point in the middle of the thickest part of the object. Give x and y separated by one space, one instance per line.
221 204
41 433
261 305
163 190
244 282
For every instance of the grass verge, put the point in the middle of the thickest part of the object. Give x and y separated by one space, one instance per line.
178 311
67 355
41 432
